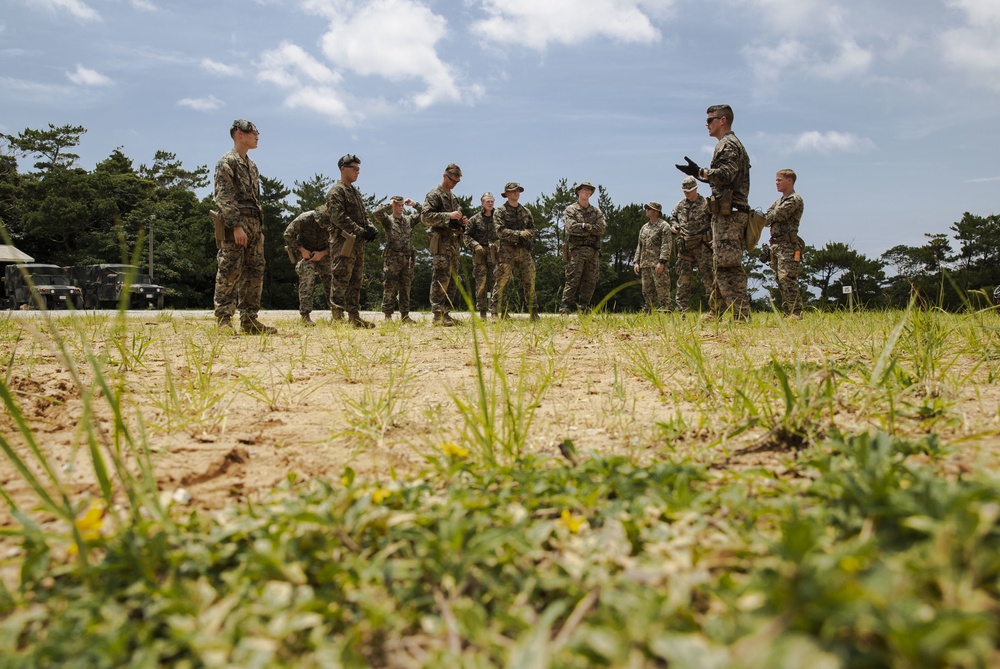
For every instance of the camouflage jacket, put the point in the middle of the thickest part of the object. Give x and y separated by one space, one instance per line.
784 216
692 218
730 170
345 215
305 231
515 226
481 231
436 215
655 244
398 231
584 226
237 190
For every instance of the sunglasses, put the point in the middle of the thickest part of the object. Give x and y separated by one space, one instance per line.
709 120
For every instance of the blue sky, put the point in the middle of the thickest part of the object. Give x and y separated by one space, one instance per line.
887 110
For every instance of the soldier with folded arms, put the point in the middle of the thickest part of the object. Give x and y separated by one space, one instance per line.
398 255
442 214
308 246
516 232
693 226
481 238
585 226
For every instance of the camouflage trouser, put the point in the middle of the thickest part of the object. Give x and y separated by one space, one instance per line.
444 273
786 271
345 287
518 260
307 271
691 258
655 289
240 277
730 287
397 276
582 271
484 273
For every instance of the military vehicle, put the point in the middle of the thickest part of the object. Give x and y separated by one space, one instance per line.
51 289
102 287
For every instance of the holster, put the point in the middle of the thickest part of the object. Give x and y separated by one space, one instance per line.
222 233
494 253
347 249
479 255
291 256
435 243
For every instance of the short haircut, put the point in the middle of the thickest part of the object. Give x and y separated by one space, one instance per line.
790 174
722 110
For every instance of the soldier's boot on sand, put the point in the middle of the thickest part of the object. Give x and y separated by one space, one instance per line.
405 319
336 315
388 315
253 326
442 319
306 321
534 315
355 319
225 323
482 314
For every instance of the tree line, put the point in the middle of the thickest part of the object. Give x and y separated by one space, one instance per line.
65 215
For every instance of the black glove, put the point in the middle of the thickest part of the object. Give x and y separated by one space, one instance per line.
370 233
691 169
765 253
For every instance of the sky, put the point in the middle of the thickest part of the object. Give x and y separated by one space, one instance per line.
886 110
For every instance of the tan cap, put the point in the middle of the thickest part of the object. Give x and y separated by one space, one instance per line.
689 184
511 187
585 184
656 206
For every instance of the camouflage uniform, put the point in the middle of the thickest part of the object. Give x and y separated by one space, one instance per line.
516 232
240 277
345 217
481 238
445 246
783 216
584 228
694 248
397 258
655 245
729 177
306 232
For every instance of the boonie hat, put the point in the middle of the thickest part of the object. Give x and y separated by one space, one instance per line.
656 206
511 187
689 184
585 184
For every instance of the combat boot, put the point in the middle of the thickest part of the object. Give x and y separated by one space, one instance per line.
388 315
533 316
225 323
253 326
444 320
336 315
482 314
354 318
306 321
406 320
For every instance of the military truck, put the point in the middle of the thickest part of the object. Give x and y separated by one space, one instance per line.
102 287
51 289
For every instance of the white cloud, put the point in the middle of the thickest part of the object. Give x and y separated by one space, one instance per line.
312 84
211 103
984 180
850 61
84 76
215 67
975 48
144 5
538 23
832 141
80 10
770 63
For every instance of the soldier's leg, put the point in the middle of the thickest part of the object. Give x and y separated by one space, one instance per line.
505 271
251 283
491 282
390 284
480 274
341 271
453 295
527 274
230 258
648 288
706 270
786 271
588 278
324 268
440 282
572 288
404 282
661 283
353 296
307 285
684 268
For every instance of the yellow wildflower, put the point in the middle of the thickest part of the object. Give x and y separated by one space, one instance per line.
571 522
453 450
379 495
89 524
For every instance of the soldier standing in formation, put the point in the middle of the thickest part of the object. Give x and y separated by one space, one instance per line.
481 238
398 256
308 246
693 226
585 226
442 214
729 177
652 259
347 224
240 276
516 232
783 217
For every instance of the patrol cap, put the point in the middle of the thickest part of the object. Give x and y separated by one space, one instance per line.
511 187
396 198
454 170
585 184
348 159
242 125
689 184
655 206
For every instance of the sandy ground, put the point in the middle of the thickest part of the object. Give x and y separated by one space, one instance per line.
227 418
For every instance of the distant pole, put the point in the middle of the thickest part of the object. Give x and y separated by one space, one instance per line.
849 291
152 220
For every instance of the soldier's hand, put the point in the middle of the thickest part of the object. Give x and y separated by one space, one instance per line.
659 267
691 169
370 233
408 202
239 236
635 268
306 255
